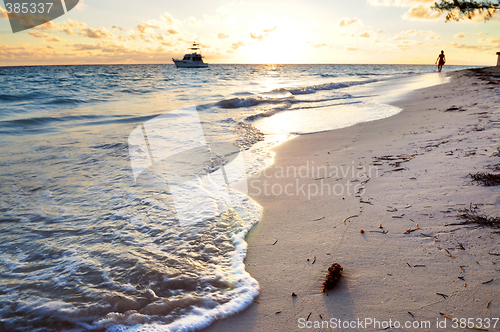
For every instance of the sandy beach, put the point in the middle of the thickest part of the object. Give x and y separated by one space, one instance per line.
378 198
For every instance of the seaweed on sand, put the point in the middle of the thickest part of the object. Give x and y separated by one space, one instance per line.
486 179
471 216
333 277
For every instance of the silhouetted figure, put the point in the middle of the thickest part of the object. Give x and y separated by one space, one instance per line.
442 60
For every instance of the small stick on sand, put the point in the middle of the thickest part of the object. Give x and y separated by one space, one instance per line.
488 305
443 295
354 216
487 282
449 255
318 219
409 230
275 242
309 315
383 232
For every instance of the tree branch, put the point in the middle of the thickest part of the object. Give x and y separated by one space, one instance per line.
461 9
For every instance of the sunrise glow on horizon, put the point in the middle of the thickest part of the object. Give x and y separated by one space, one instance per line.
252 32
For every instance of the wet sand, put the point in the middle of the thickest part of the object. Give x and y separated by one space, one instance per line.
402 180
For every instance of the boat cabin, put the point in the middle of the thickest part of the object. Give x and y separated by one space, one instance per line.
192 57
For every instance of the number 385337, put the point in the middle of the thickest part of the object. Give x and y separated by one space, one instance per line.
28 7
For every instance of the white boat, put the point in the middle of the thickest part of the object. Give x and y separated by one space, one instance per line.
192 59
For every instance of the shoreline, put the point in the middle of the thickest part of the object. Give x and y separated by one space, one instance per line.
442 134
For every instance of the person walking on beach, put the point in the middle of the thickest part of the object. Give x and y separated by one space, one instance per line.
442 60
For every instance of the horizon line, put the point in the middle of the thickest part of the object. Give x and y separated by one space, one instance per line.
245 64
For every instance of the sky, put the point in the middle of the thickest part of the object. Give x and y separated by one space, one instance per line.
252 32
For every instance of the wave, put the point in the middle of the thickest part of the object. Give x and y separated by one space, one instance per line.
276 110
285 102
64 101
250 101
288 95
265 114
35 121
23 97
321 87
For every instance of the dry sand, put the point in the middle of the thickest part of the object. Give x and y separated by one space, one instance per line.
387 276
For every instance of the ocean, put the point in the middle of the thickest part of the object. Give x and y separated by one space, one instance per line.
123 203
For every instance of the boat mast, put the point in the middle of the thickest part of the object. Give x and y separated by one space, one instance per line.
195 48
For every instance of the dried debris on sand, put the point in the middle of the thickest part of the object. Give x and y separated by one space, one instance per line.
486 179
472 216
333 277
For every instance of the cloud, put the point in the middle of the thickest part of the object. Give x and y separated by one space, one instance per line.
158 37
222 36
399 38
96 33
266 32
433 37
62 26
481 48
104 52
167 18
38 34
85 47
224 16
460 35
237 45
3 12
81 5
274 28
68 31
417 32
430 35
365 35
255 36
318 45
194 21
421 13
495 41
348 21
398 3
351 49
74 24
114 27
173 31
143 26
